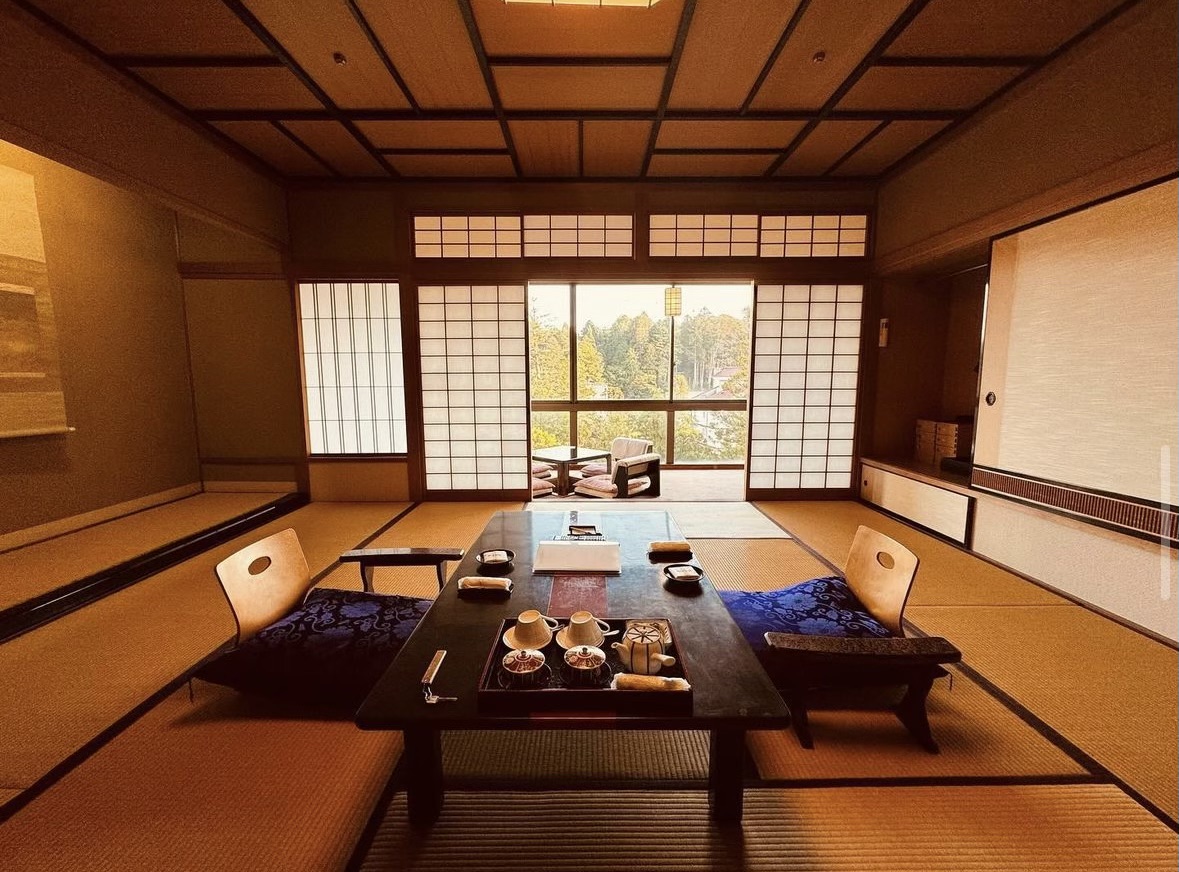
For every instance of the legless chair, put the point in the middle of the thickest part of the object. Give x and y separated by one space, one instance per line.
846 632
323 645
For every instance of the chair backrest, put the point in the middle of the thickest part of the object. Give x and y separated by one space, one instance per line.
623 447
264 581
880 572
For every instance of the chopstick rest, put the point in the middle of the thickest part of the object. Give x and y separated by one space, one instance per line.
479 582
670 547
626 681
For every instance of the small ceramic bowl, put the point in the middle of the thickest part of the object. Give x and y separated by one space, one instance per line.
524 666
497 560
586 665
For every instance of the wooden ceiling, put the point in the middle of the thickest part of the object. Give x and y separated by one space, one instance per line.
798 89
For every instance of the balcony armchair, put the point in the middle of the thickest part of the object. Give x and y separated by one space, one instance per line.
631 476
322 646
846 632
620 449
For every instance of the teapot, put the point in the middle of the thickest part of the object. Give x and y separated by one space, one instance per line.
642 648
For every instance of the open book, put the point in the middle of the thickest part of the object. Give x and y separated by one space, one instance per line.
586 557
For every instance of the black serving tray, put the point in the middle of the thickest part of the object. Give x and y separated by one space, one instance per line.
552 691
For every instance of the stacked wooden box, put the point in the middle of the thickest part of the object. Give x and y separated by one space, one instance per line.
938 439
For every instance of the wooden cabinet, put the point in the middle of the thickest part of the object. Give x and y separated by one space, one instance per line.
938 439
936 508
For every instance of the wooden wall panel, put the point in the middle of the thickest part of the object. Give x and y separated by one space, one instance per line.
163 27
1001 27
579 87
111 259
826 144
709 164
576 31
232 88
888 147
727 134
447 78
1098 120
547 148
736 36
359 481
313 32
433 134
615 148
103 126
844 31
200 242
332 142
273 146
926 87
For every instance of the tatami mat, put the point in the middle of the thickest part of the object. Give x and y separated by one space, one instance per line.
205 786
558 759
429 525
1110 691
978 736
695 519
35 569
756 564
945 576
64 683
923 829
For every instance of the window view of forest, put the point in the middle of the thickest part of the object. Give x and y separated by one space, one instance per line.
624 347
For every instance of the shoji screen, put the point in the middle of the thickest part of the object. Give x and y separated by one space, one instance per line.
474 387
803 399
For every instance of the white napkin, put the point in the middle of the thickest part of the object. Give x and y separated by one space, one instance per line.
677 547
479 582
626 681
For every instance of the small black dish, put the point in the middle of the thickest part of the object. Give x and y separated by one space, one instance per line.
495 568
694 578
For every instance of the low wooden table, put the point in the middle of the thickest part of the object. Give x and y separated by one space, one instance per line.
563 456
731 693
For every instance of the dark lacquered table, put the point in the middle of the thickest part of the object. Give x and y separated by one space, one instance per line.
564 456
731 693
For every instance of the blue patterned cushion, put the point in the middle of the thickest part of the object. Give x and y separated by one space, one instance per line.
819 607
329 651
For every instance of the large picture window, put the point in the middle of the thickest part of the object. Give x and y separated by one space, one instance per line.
628 368
353 375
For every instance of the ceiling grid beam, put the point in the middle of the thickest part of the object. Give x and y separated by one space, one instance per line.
271 42
875 132
489 81
305 147
573 115
677 51
379 48
787 32
903 20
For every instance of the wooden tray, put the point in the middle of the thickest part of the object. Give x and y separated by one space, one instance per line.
553 691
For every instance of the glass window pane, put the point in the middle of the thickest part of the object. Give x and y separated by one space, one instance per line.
549 429
548 343
712 342
623 343
710 437
599 429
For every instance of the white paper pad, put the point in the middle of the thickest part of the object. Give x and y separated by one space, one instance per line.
590 557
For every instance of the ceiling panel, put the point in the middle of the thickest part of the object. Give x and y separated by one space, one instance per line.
332 142
576 31
888 146
736 36
926 87
428 43
615 149
433 134
844 31
998 27
728 134
162 27
709 164
579 87
313 31
232 88
272 146
453 165
546 148
826 144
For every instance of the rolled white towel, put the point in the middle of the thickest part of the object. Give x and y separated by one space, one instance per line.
479 582
626 681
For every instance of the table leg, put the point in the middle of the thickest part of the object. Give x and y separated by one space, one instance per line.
726 775
563 479
423 775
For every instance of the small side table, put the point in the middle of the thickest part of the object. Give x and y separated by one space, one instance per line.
563 456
